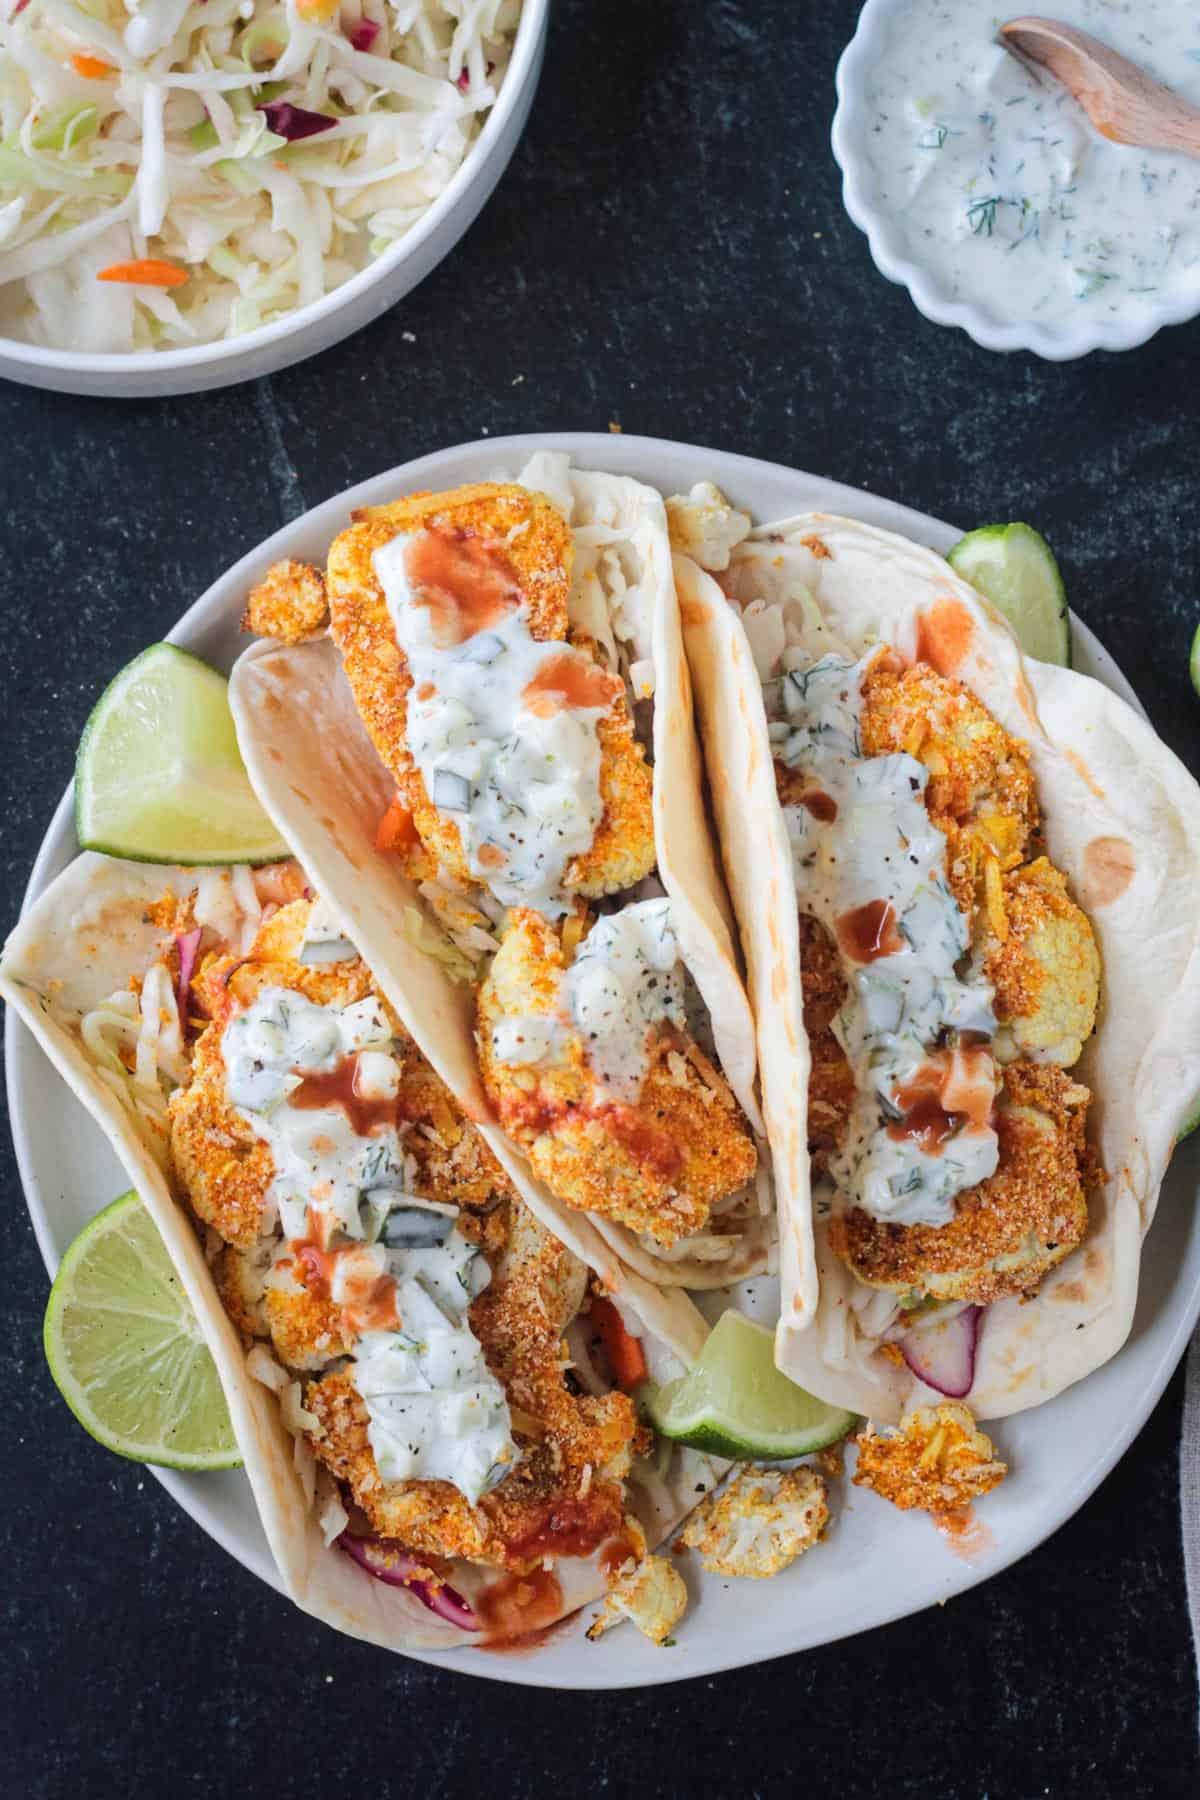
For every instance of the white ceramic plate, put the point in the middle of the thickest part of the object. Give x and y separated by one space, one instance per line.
877 1564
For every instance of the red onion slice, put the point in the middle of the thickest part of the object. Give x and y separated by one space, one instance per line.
942 1353
294 122
398 1569
363 35
463 81
188 943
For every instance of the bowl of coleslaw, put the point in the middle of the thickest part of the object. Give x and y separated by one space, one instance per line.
199 192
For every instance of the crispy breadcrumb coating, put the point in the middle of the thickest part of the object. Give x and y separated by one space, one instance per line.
1036 947
1010 1230
761 1521
652 1596
936 1460
658 1165
227 1170
288 604
981 790
537 542
565 1496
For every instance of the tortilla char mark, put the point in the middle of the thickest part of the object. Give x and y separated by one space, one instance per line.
1109 865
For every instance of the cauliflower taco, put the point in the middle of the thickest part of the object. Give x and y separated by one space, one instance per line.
505 728
965 884
430 1389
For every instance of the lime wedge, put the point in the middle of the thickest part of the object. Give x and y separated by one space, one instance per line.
1013 566
735 1402
159 776
125 1349
1194 661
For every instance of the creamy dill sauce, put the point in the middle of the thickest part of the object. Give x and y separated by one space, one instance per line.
516 772
435 1410
870 865
1001 184
624 982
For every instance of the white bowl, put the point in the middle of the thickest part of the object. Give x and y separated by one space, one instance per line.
890 250
877 1564
155 373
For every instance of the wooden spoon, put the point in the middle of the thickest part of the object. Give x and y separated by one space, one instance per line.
1121 100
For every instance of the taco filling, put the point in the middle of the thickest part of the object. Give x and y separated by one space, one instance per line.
502 654
949 980
369 1237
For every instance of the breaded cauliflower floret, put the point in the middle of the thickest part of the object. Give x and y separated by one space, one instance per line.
652 1595
576 1448
762 1521
288 604
1041 957
705 526
981 789
1009 1231
534 540
658 1164
935 1459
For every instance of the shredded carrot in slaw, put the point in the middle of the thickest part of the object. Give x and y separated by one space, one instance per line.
92 68
148 271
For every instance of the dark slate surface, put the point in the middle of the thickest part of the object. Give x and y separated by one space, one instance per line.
669 252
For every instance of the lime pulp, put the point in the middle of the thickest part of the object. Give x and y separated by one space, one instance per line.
1014 567
735 1403
125 1349
159 776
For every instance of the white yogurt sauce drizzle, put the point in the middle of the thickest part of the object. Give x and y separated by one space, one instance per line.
522 785
882 847
624 983
435 1410
1003 187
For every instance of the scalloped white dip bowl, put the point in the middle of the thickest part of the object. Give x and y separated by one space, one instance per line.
891 246
877 1564
153 374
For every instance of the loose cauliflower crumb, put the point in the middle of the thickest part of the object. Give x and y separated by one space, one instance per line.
652 1595
705 526
762 1521
935 1459
288 604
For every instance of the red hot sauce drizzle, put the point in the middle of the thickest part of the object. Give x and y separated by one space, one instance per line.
822 807
868 932
954 1091
466 581
368 1114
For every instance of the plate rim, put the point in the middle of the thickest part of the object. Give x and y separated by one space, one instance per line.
623 454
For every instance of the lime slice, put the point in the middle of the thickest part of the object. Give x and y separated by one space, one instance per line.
159 776
1013 566
1190 1123
735 1402
1194 661
125 1349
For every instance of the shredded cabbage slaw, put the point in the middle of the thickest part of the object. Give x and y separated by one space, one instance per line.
176 172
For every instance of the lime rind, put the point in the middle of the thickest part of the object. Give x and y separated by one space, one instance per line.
1194 660
159 777
1190 1123
125 1350
736 1404
1014 568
